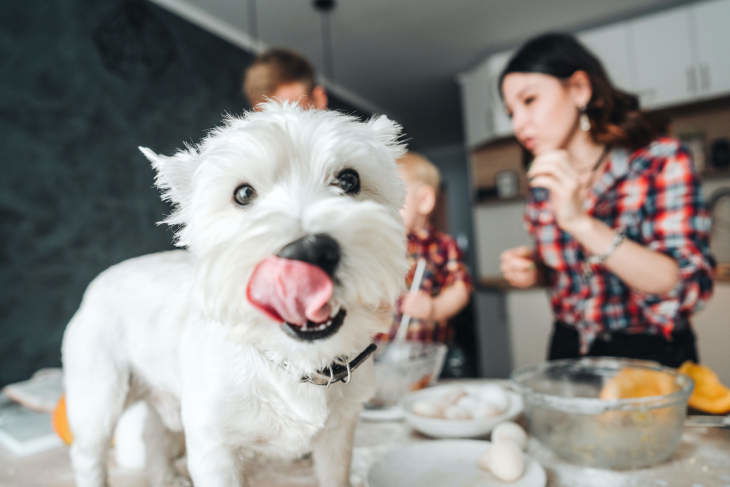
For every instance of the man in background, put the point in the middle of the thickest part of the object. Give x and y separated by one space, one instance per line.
283 75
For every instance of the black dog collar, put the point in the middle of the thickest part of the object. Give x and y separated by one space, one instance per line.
338 371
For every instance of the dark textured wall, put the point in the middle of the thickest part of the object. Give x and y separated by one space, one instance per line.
82 84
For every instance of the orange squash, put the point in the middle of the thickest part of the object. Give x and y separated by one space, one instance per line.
60 421
632 382
709 394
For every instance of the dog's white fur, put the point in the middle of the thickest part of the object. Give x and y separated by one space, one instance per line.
175 329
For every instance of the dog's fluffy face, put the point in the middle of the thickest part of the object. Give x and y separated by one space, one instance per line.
290 159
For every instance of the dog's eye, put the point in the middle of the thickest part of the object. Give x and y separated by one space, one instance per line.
244 194
349 181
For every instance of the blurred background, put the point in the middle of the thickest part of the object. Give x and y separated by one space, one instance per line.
84 83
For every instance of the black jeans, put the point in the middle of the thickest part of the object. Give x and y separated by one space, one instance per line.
672 353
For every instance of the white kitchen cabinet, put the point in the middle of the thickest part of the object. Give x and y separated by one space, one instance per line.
673 57
482 110
713 337
711 30
475 105
680 56
501 122
492 235
663 58
530 319
612 46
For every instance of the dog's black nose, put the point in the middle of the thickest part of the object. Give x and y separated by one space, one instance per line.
319 249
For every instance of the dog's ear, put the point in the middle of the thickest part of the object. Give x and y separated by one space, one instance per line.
389 133
174 174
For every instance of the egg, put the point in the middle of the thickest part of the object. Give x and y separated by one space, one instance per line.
495 396
506 460
485 459
485 410
510 431
427 408
453 396
457 412
469 402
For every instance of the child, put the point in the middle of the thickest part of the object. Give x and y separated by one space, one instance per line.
446 285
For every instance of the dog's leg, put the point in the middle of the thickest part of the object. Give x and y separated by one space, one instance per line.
163 446
95 399
332 451
212 463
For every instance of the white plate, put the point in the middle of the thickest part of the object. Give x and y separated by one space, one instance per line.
393 413
456 428
445 463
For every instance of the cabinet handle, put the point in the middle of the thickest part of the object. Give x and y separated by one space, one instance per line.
705 76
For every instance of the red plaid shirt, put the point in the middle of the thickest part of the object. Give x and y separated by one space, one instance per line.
653 196
444 267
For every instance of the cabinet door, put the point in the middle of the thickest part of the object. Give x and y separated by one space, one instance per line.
662 54
711 28
478 124
497 227
501 122
611 46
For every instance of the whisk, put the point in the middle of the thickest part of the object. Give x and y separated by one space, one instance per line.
415 286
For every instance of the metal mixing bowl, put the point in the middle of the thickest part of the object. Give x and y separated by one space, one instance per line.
402 367
565 413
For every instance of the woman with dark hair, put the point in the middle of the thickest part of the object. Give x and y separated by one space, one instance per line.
620 228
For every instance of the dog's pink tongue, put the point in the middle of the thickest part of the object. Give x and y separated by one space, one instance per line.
290 290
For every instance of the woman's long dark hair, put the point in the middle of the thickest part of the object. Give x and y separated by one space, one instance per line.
615 116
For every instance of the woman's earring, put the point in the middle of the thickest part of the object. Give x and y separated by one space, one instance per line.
583 121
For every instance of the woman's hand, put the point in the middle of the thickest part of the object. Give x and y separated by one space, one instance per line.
417 305
518 267
568 190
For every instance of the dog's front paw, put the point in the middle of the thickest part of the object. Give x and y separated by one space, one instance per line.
179 481
171 479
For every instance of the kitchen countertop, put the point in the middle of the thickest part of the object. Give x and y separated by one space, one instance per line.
702 460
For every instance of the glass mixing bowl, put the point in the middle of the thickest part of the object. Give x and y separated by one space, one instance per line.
402 367
565 411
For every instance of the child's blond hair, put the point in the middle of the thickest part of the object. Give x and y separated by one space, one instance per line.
417 168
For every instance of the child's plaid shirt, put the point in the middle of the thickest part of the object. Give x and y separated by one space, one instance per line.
444 268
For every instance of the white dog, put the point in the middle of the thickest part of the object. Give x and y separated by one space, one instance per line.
295 252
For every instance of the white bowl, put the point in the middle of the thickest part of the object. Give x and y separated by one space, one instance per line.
445 463
457 428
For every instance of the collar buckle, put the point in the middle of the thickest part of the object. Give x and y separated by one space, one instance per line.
340 370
